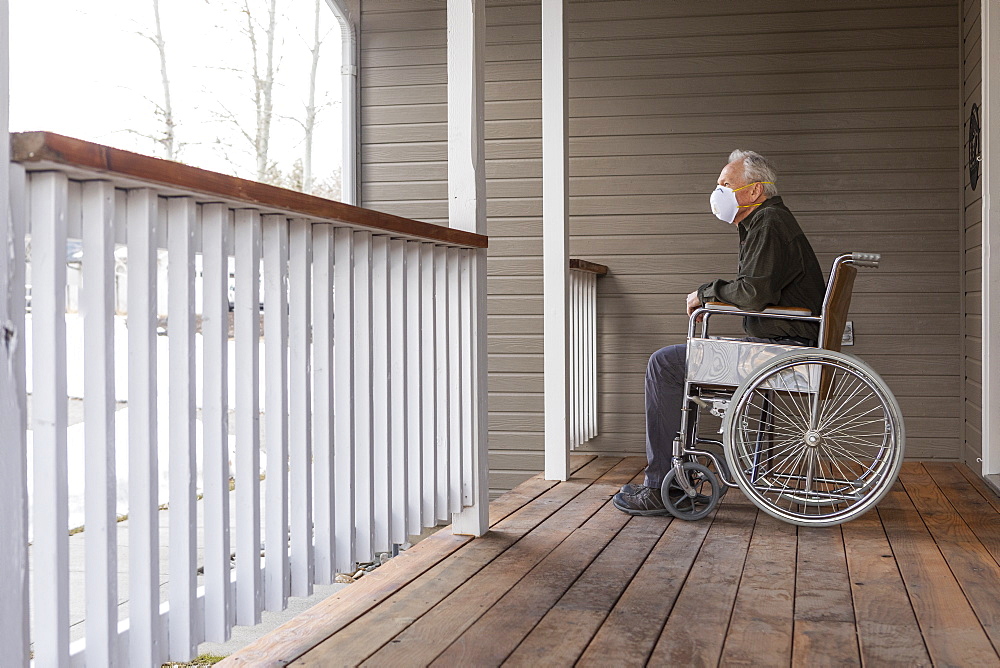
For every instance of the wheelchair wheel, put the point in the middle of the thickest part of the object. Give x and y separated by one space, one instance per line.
707 492
814 437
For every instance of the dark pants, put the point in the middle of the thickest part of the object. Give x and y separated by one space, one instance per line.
664 399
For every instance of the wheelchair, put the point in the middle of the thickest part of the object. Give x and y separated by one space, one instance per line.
811 435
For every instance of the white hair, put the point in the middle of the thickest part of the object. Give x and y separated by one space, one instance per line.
756 168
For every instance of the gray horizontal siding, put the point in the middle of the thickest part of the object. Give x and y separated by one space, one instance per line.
856 105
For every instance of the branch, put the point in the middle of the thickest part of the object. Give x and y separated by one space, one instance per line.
231 117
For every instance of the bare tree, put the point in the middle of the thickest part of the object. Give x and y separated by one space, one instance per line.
263 82
310 123
263 69
168 140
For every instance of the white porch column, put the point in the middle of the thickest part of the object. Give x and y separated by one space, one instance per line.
13 445
555 237
467 211
991 234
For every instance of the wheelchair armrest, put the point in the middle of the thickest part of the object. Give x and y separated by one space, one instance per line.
776 310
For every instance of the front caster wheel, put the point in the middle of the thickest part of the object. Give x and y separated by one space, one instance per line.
679 503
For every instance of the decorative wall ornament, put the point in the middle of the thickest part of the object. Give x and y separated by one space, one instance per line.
975 154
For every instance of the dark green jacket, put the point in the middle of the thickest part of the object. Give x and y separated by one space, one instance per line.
777 267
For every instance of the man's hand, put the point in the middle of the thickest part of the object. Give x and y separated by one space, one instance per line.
693 302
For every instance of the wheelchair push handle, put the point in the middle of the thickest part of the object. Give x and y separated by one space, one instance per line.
865 259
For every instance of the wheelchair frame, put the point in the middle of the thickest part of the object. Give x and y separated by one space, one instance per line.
726 376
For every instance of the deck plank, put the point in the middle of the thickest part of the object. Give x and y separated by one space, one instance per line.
310 628
951 631
971 563
562 544
760 631
520 609
971 503
824 631
563 634
633 626
888 634
695 631
571 501
980 486
513 500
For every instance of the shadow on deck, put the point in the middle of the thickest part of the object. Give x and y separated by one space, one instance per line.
564 578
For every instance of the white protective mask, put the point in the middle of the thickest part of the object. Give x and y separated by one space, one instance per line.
724 204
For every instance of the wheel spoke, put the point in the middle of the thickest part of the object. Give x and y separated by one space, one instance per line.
842 397
804 418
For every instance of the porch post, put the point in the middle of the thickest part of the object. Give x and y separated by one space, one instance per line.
13 443
555 237
991 234
467 211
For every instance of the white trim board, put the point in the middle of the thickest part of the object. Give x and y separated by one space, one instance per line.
991 234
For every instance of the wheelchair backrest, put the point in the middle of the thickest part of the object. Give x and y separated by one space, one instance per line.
836 305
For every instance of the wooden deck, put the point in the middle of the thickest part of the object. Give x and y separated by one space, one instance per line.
564 578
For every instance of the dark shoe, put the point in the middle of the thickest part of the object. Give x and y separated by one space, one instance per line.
644 501
629 488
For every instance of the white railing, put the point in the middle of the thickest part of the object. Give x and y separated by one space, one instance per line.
351 424
583 350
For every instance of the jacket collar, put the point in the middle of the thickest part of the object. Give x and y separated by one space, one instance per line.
749 221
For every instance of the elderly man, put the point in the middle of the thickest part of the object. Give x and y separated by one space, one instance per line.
777 266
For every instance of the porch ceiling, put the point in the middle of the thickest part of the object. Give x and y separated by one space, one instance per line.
564 577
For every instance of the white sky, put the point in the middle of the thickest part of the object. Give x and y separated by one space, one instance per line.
84 70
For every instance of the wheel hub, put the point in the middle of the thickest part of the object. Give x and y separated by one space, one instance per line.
813 438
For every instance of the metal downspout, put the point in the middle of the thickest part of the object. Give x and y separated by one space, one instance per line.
348 15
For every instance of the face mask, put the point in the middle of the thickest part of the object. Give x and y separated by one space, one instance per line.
724 204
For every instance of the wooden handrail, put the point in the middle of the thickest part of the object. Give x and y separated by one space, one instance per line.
584 265
42 150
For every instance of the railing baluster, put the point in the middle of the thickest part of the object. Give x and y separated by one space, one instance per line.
343 416
276 411
413 300
584 357
322 368
579 316
442 342
468 390
381 428
300 240
246 325
74 225
428 390
585 353
364 505
215 411
398 351
99 423
180 331
50 550
592 357
573 370
454 380
15 632
143 466
579 361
